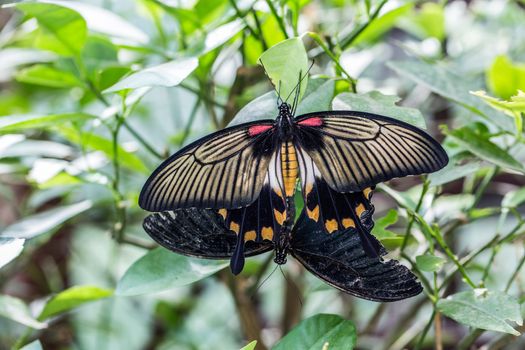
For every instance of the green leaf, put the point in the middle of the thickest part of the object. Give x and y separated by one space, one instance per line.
46 75
95 142
514 198
16 310
284 63
429 263
450 86
322 331
376 102
166 74
481 146
381 25
13 123
250 346
72 298
483 309
505 78
271 33
35 345
452 172
516 103
426 21
161 269
10 248
381 224
45 221
64 30
104 21
318 96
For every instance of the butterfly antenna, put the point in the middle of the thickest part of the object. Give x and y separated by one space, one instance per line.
301 78
292 283
263 282
278 91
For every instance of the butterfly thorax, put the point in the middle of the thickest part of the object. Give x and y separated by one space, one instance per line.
285 120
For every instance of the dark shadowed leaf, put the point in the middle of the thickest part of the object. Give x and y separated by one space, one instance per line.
322 331
161 269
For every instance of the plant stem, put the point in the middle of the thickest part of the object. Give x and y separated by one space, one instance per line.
345 43
408 231
278 18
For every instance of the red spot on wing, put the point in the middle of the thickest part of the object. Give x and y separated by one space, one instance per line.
258 129
314 121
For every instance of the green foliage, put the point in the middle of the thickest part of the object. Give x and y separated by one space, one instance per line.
160 269
95 94
319 332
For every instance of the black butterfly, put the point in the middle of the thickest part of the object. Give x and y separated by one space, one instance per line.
248 173
338 258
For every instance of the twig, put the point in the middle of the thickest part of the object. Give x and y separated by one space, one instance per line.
345 43
278 18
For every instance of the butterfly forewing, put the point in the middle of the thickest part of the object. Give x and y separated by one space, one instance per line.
223 170
355 150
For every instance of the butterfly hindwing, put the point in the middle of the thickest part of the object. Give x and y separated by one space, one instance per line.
340 260
197 232
355 150
223 170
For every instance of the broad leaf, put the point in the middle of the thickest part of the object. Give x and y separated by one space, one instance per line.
322 331
64 30
505 78
16 310
10 248
46 75
103 21
161 269
451 86
72 298
479 144
515 104
35 345
45 221
250 346
483 309
452 172
429 263
376 102
166 74
21 122
284 63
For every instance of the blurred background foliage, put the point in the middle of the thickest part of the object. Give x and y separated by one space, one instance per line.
95 93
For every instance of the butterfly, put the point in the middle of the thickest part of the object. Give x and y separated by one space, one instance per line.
338 259
248 173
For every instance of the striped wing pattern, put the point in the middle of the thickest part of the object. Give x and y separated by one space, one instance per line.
355 150
224 170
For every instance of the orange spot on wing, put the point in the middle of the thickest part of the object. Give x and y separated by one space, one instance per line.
348 223
267 233
223 213
250 236
279 217
367 192
360 209
314 213
234 227
331 225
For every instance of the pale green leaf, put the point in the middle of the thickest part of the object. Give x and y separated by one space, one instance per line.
16 310
284 63
167 74
505 78
10 248
429 263
13 123
483 309
37 224
377 103
452 172
46 75
161 269
513 199
250 346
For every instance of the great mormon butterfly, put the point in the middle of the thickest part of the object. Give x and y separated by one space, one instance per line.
248 172
337 258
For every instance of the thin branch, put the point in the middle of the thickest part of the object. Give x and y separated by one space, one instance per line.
278 18
345 43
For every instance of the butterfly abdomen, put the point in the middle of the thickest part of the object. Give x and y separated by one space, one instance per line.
289 167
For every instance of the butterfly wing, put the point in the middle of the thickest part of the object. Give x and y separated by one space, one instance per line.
223 170
198 232
340 260
355 150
